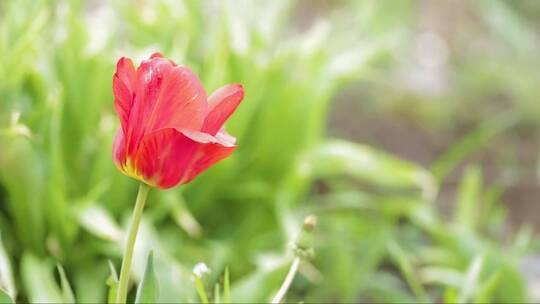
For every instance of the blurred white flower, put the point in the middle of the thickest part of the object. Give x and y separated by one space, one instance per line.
200 269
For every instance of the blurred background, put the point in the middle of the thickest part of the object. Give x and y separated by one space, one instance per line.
410 128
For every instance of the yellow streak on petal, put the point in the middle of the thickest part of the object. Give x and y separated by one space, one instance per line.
130 170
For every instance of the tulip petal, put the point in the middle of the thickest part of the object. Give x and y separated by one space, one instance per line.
170 132
150 75
181 103
119 150
167 157
167 96
220 147
222 103
225 137
124 89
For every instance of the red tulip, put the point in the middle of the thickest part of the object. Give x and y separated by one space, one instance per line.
170 130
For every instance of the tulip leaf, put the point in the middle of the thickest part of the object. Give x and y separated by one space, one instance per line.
98 221
405 265
217 293
472 279
469 195
39 281
6 273
4 297
147 292
339 157
112 282
226 287
199 286
67 292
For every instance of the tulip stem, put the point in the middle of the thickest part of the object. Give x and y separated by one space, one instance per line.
121 295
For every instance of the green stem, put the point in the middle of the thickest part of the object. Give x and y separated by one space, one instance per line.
121 295
288 281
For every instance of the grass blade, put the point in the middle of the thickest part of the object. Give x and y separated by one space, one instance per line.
226 287
112 282
148 289
67 292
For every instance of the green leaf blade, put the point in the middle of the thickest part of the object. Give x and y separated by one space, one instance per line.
112 282
148 291
67 292
5 298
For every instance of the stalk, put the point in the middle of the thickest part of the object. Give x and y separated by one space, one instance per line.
303 249
287 282
121 295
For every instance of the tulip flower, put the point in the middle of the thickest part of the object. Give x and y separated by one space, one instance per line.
170 132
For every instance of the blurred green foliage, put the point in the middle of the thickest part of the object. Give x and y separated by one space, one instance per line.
381 235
